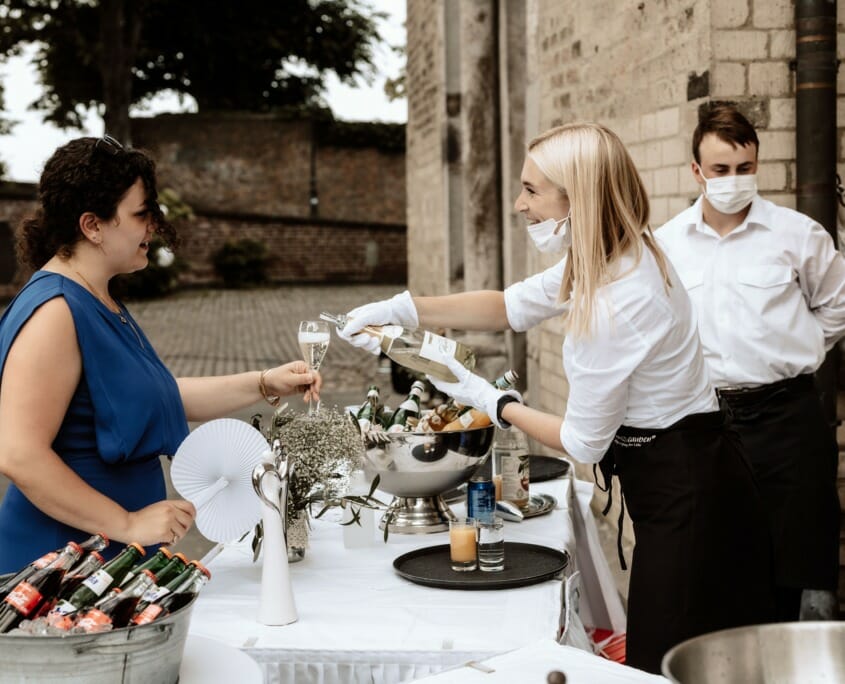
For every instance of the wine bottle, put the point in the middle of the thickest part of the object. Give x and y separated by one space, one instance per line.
154 564
408 409
371 411
419 350
162 589
97 584
80 572
35 594
176 599
116 608
472 417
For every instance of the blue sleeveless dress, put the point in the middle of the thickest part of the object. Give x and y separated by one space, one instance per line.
125 412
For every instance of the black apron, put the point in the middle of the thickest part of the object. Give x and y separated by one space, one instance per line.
702 560
794 455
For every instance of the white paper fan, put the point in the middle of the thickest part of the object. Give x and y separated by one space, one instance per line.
213 470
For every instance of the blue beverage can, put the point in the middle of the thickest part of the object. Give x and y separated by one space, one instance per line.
481 500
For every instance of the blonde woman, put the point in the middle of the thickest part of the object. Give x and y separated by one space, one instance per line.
640 401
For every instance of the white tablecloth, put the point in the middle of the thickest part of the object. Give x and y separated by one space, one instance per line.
534 662
360 622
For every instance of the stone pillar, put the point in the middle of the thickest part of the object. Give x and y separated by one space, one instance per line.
427 181
512 38
482 229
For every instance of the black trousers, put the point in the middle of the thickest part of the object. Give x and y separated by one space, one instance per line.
702 560
793 452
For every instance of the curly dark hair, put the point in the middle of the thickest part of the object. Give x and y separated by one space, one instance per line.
82 176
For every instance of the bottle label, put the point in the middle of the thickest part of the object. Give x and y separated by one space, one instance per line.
99 581
63 607
127 579
514 471
150 613
437 348
465 419
24 598
154 594
45 560
94 621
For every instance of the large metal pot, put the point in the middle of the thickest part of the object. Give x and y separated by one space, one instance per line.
131 655
784 653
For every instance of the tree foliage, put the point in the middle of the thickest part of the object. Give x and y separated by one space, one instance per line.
253 55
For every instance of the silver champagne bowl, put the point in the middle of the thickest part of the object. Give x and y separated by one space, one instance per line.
418 467
806 652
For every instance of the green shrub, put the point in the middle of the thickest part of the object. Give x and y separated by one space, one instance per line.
241 263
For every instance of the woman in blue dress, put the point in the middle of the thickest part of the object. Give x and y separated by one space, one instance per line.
86 405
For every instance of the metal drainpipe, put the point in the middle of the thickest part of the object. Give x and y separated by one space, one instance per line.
815 140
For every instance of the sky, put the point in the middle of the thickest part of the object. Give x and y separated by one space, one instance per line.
31 141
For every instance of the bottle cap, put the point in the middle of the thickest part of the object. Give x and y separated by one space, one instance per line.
105 538
164 551
139 547
181 556
76 547
205 571
98 556
150 574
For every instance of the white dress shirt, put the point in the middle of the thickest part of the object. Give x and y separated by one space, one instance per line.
770 295
642 366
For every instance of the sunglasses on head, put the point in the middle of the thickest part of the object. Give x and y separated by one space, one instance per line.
109 145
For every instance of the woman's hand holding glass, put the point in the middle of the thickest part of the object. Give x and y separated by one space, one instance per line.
293 378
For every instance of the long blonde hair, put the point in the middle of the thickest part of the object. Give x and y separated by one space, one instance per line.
609 210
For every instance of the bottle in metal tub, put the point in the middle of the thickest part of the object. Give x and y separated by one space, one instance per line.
130 655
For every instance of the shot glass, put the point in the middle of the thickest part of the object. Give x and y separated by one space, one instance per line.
462 544
491 545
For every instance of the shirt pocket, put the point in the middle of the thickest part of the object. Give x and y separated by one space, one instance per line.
692 278
765 277
762 291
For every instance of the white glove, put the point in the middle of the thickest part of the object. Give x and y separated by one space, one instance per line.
399 309
473 390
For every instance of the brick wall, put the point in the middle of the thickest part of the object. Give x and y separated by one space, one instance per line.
254 176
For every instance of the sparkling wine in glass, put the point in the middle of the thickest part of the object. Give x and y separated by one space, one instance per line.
314 338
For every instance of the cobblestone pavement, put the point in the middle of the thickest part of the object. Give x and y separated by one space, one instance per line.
216 332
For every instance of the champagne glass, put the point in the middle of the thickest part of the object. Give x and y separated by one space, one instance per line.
313 338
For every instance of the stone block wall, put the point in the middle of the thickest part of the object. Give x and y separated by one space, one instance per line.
429 147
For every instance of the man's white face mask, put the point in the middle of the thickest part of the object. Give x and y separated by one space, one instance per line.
730 194
551 236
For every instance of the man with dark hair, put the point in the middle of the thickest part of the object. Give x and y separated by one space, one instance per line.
768 287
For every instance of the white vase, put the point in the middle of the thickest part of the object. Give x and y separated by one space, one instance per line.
276 605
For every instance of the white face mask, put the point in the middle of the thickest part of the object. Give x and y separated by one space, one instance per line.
551 236
730 194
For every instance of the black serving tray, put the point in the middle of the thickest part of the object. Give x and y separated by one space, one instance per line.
540 468
525 564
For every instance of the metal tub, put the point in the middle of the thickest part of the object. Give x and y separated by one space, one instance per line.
138 655
784 653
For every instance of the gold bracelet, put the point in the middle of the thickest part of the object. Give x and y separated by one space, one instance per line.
273 400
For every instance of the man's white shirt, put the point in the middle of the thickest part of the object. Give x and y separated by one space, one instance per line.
769 296
641 367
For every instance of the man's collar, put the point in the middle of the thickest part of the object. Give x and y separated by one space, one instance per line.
758 215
